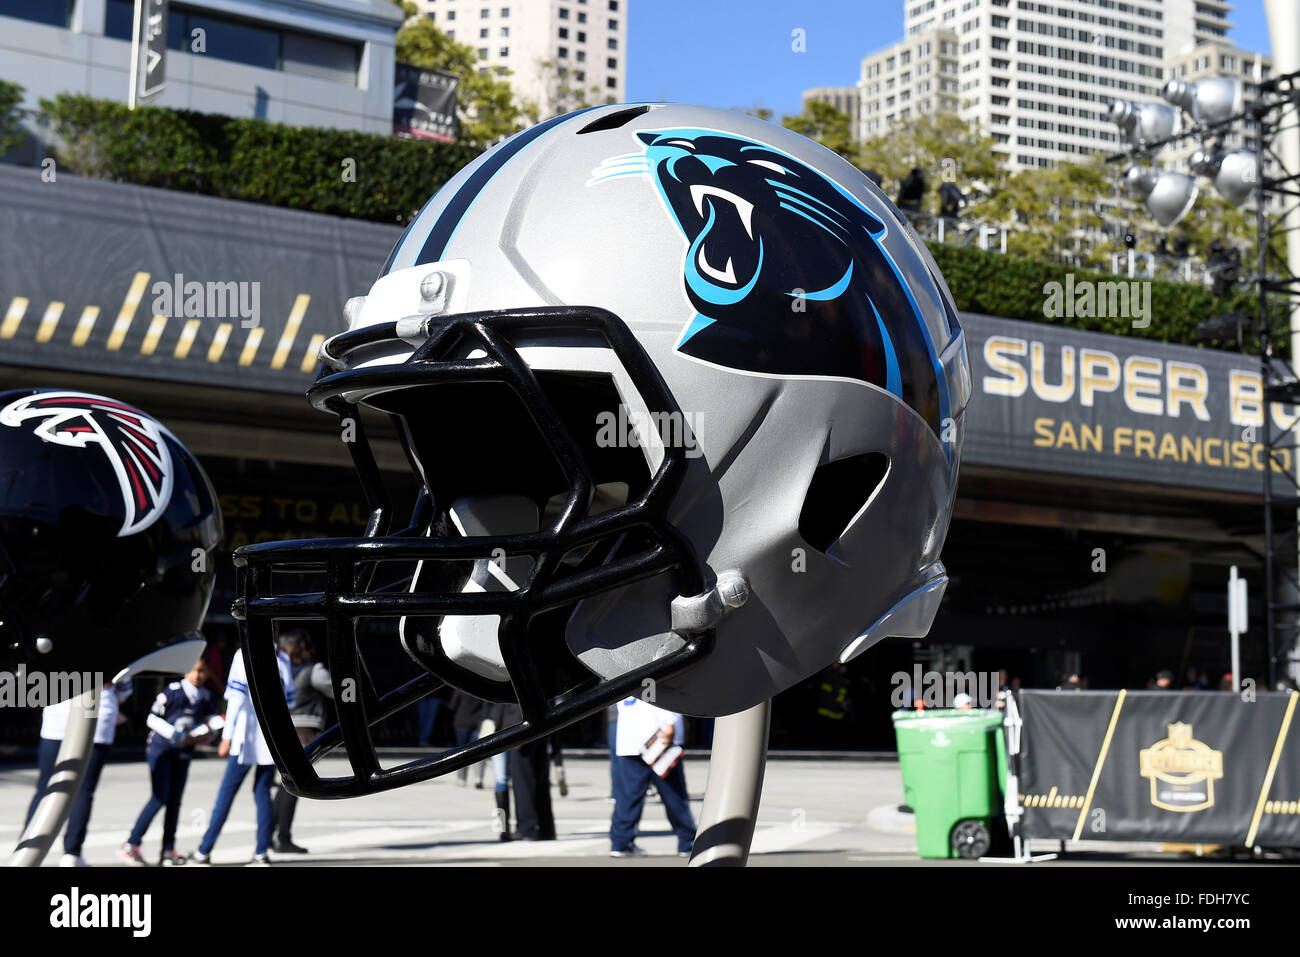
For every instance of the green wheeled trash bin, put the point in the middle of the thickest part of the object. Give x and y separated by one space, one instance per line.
954 774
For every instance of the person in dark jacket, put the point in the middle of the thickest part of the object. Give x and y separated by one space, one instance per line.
467 713
183 714
530 777
314 689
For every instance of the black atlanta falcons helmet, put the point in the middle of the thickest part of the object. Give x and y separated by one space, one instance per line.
107 531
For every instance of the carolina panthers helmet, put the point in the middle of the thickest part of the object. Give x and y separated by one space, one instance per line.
108 528
683 395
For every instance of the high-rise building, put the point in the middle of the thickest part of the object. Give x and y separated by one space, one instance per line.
846 99
560 53
1038 76
915 76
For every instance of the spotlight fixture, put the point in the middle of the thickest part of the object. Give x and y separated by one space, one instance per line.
1231 171
951 200
1168 196
1143 123
912 191
1209 100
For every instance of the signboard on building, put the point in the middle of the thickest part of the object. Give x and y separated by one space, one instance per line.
424 103
1054 399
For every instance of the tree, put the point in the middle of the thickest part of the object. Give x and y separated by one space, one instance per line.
565 92
822 122
11 130
1063 213
945 148
487 110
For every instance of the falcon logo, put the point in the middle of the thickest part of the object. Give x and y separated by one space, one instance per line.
787 272
132 442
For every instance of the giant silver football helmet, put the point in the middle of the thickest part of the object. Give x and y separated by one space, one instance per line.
684 396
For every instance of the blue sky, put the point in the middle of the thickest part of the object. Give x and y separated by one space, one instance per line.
737 53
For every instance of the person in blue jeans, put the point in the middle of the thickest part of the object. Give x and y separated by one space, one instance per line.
182 708
245 748
638 722
54 721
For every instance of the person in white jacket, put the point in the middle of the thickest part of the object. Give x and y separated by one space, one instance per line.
639 722
54 720
245 747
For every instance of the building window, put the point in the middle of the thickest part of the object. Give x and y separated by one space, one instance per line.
582 16
613 43
582 56
582 36
483 33
54 13
612 63
613 5
482 53
581 76
505 31
613 24
564 33
562 52
505 11
484 13
451 14
611 82
451 34
564 13
504 51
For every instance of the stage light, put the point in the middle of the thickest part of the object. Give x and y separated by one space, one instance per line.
912 191
1232 172
1171 197
1209 100
1224 268
1143 123
1140 181
951 200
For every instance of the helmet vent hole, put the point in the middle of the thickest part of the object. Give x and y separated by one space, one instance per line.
612 121
838 492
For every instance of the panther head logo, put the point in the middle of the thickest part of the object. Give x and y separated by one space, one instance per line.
786 269
132 442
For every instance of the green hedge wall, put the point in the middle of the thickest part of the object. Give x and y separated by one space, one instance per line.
362 175
1012 287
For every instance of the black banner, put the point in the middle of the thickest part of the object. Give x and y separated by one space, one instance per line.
153 54
1053 399
134 281
424 103
1179 766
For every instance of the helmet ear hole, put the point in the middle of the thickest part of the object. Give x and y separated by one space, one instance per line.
838 492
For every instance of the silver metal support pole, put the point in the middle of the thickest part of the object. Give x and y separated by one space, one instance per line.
64 784
735 787
135 55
